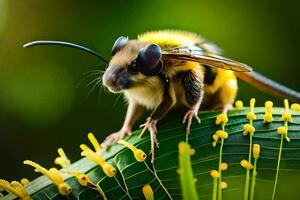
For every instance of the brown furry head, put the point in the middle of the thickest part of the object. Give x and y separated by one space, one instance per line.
119 75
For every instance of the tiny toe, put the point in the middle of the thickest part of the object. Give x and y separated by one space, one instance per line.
184 119
197 118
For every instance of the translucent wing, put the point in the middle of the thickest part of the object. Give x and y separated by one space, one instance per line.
197 54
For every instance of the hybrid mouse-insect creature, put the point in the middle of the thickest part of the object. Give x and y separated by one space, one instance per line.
161 70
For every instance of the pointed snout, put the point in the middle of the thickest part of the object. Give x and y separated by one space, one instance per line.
117 79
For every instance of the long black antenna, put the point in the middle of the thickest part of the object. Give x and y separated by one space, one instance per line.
76 46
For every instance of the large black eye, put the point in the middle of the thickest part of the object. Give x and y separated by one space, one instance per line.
148 61
119 44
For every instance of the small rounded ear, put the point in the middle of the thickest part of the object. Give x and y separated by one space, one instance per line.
119 44
148 60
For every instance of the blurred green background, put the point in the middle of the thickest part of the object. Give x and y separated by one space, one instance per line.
41 108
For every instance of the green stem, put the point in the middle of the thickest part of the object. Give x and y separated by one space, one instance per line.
101 192
246 192
278 163
220 171
254 173
215 187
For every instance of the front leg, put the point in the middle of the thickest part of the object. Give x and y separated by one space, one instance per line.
193 84
134 111
157 114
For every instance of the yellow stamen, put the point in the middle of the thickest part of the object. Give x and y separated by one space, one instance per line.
248 128
54 175
16 188
192 152
251 116
82 178
84 147
246 164
94 142
222 134
148 192
286 104
215 137
223 185
256 151
214 174
268 118
268 106
286 116
62 160
239 104
252 103
139 154
224 166
221 118
295 106
24 181
281 130
107 168
214 143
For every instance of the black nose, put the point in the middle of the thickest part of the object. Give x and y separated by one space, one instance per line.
123 82
117 79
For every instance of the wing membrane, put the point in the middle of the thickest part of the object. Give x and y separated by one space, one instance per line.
197 56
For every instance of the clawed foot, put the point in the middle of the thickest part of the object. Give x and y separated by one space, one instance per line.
224 108
116 136
150 125
188 117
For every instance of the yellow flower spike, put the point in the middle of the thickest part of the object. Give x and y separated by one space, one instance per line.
245 164
214 174
148 192
256 151
54 175
248 128
82 178
281 130
222 134
15 188
215 137
214 143
139 154
84 147
224 166
223 185
286 116
252 103
94 142
251 116
221 118
295 106
24 181
286 104
268 106
268 118
239 104
62 160
107 168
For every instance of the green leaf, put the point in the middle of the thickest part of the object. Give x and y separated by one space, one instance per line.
134 175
